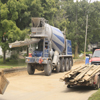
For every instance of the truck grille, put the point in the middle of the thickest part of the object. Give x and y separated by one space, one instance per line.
95 63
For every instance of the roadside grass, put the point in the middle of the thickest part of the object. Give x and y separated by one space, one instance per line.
13 63
95 96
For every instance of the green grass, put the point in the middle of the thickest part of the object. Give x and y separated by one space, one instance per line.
95 96
13 63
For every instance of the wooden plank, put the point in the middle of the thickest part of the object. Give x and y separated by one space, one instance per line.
74 71
3 83
90 72
79 76
88 78
86 72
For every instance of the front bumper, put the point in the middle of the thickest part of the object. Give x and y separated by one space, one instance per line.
36 60
95 62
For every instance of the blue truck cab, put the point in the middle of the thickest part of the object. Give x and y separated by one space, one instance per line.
41 52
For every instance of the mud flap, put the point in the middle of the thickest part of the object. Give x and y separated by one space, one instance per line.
3 83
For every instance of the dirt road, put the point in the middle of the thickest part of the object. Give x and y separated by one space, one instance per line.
40 87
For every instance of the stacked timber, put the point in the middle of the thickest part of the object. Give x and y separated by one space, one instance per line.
81 74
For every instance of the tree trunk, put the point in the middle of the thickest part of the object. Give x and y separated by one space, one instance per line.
4 56
27 50
76 51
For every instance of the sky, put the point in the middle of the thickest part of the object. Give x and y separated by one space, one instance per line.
91 0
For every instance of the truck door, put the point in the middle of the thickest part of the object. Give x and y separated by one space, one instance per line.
38 49
46 49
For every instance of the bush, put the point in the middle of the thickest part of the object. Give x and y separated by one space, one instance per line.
14 56
8 59
90 52
25 55
1 56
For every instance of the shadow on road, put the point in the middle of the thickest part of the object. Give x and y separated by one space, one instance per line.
43 74
80 89
40 73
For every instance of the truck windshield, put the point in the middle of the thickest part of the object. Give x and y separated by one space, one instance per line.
96 53
39 46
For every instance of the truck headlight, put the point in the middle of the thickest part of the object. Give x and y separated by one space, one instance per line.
27 59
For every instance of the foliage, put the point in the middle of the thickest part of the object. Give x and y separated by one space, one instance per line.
95 96
9 31
12 63
14 57
15 19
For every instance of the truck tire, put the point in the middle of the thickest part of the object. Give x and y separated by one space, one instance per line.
62 65
97 86
68 86
70 63
48 68
99 81
66 64
58 68
30 69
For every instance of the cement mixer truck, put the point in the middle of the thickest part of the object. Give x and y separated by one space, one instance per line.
51 50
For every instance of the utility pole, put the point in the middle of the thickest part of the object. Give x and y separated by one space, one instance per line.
86 34
86 31
76 47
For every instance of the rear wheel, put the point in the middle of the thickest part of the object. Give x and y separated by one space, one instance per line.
70 63
62 65
48 69
66 64
97 86
99 81
30 69
68 86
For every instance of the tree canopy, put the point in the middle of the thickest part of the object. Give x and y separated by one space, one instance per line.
15 19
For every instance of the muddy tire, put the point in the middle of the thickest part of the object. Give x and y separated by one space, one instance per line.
66 64
30 69
58 68
62 65
48 69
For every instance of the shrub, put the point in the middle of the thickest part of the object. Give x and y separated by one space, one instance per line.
1 56
14 56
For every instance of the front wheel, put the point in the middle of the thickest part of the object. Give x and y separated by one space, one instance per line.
30 69
48 69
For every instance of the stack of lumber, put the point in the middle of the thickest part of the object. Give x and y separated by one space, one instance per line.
81 74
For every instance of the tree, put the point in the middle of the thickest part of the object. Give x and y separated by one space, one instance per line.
9 32
94 23
49 10
76 13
